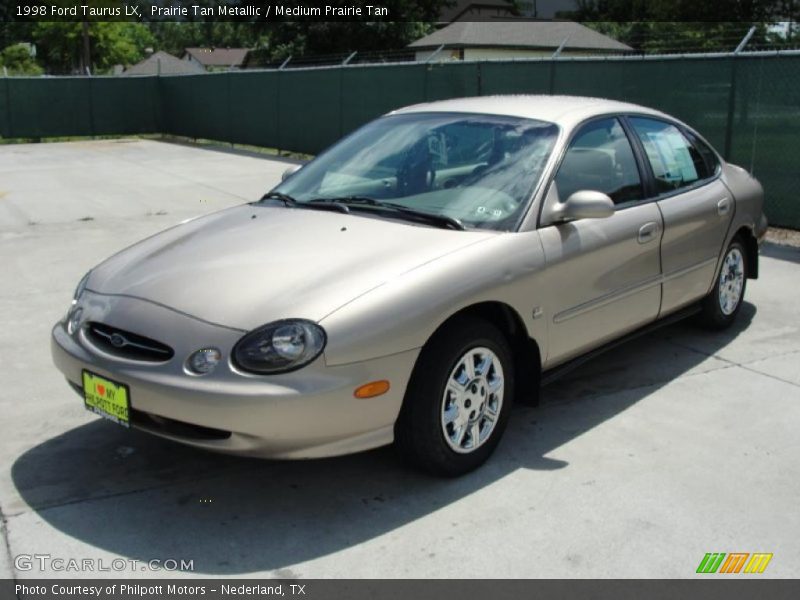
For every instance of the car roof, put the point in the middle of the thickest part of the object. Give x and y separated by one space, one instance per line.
562 110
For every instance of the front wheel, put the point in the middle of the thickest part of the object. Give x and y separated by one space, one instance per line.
458 400
724 301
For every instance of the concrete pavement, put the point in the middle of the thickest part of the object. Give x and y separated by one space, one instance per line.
680 443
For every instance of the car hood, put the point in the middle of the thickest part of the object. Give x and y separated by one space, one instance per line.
250 265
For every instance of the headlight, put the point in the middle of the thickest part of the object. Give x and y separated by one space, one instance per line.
75 312
74 319
279 347
80 288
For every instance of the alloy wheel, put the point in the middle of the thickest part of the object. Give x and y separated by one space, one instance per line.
731 281
473 398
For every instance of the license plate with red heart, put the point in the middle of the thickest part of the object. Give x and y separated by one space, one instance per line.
109 399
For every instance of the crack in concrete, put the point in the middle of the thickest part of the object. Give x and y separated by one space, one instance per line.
746 366
632 388
146 166
771 356
775 377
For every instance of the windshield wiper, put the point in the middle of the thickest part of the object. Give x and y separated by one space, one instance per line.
285 198
323 204
413 214
313 204
442 220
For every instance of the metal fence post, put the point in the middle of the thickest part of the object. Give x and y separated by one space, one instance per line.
278 75
8 107
91 106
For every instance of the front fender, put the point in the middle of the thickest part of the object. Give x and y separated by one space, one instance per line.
402 314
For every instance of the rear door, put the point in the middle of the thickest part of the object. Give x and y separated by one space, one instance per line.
696 206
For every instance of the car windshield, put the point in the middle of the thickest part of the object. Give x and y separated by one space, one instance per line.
476 170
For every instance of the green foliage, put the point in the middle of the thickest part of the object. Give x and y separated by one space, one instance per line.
669 37
174 37
339 37
60 44
14 32
742 11
17 60
678 26
276 40
119 43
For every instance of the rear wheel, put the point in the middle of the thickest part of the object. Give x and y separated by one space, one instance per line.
724 301
458 400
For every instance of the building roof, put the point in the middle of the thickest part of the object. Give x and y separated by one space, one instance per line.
218 57
519 33
564 110
168 64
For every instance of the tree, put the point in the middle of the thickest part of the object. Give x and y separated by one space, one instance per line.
174 37
310 38
59 44
17 60
681 25
13 32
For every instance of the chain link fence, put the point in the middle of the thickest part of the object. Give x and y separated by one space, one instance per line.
747 105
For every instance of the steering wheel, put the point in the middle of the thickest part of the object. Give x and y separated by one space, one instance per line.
416 176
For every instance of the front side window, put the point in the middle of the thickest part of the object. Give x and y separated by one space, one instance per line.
600 159
676 163
479 169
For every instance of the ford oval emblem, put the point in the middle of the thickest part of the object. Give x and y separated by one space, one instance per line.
118 341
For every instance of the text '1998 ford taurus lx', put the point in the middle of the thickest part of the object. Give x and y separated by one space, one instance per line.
413 280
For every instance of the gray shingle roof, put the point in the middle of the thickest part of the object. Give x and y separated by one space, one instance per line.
519 33
218 57
170 65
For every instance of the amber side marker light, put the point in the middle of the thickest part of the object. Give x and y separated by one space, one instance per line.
372 389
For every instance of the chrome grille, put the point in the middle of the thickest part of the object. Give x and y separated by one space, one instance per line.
125 344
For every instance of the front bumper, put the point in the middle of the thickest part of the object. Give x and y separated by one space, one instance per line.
308 413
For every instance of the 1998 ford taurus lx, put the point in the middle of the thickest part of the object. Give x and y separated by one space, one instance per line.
411 281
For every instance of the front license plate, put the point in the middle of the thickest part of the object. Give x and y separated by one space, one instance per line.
107 398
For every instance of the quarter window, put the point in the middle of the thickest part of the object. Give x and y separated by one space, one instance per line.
676 163
600 159
712 162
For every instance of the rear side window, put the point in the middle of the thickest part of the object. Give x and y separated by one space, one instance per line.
712 162
600 159
675 161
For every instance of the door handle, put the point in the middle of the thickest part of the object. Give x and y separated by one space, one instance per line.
724 207
647 232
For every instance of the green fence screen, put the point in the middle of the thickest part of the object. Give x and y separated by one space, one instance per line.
748 106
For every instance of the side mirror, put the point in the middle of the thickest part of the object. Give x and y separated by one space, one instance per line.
290 171
584 204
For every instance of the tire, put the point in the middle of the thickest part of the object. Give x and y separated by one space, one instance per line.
448 431
723 303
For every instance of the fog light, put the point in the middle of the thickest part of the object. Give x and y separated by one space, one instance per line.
204 361
74 319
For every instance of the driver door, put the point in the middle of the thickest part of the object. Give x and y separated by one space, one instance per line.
602 277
